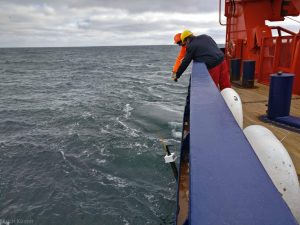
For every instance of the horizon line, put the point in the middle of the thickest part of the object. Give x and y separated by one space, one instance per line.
89 46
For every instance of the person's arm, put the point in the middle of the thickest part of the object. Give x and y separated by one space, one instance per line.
179 58
186 61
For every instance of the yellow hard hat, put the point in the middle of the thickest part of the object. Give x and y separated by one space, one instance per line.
185 34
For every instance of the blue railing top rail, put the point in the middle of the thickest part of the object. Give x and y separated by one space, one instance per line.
228 184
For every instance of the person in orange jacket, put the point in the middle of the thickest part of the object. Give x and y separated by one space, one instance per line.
181 54
204 49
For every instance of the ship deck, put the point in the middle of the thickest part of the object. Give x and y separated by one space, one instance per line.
255 102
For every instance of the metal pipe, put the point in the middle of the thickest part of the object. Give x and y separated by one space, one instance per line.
283 29
220 20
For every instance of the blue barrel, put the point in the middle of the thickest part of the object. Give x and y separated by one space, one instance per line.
280 95
235 69
248 73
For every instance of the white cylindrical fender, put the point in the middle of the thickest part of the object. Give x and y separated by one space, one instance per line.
234 103
278 164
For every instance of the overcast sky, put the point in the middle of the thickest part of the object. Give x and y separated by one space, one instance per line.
31 23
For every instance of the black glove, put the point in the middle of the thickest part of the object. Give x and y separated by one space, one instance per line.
174 77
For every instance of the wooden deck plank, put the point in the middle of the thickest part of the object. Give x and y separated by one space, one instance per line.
254 105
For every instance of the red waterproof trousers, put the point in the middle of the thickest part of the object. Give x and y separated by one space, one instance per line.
220 75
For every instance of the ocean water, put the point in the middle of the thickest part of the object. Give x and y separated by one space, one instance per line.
79 135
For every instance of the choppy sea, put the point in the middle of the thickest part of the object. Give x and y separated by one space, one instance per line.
79 135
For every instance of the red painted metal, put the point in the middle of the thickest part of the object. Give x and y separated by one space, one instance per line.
296 3
249 38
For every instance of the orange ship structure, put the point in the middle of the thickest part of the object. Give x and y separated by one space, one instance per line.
273 48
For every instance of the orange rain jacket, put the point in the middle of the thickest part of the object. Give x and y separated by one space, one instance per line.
179 59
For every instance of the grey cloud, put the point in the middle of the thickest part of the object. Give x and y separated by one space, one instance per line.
91 22
189 6
56 23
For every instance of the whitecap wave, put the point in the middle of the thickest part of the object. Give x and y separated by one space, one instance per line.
149 197
133 132
87 115
174 124
103 131
100 161
126 222
119 182
154 92
176 134
63 154
127 109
